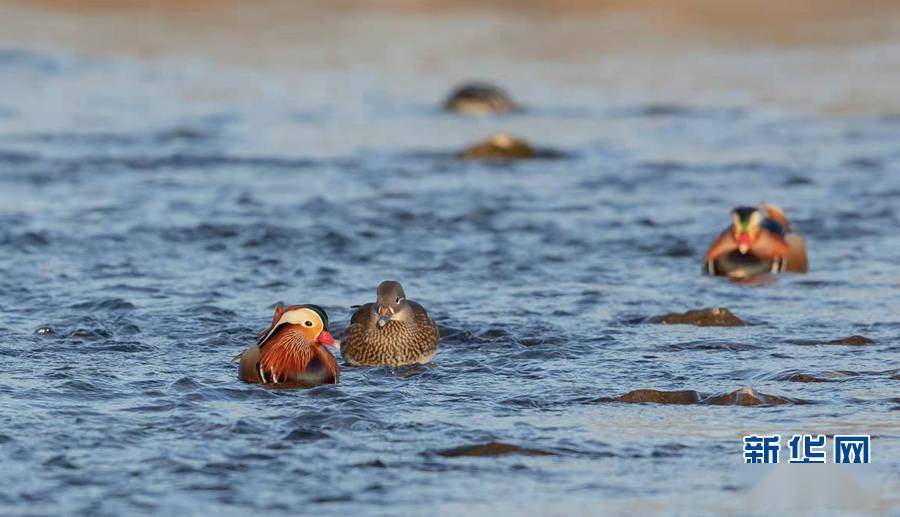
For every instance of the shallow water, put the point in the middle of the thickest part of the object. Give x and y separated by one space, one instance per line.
152 214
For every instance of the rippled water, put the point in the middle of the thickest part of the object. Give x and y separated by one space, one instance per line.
152 215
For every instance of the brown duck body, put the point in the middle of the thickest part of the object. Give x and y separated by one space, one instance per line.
398 343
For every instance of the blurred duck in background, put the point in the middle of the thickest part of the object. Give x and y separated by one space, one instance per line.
479 98
759 241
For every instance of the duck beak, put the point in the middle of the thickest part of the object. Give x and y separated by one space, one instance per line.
384 315
744 243
326 339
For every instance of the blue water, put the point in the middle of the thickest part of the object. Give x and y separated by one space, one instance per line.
152 214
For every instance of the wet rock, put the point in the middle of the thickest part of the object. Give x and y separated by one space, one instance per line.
90 333
304 435
678 250
491 449
106 304
851 341
826 376
375 464
711 345
655 397
805 377
747 397
715 317
847 341
743 397
44 331
479 98
500 146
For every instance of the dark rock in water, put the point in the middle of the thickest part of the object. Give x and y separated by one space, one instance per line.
747 397
710 345
826 376
715 317
479 98
805 377
680 249
851 341
743 397
44 331
847 341
491 449
655 397
499 147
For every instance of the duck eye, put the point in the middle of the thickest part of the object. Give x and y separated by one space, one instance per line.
308 323
398 300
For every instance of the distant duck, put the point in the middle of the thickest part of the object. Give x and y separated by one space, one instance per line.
759 241
478 98
290 352
393 331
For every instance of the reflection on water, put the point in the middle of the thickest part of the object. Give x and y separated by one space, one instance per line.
152 213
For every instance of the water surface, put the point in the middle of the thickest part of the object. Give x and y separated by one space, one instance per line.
152 214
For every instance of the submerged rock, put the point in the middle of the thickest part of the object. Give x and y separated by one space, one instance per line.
851 341
478 98
491 449
847 341
743 397
747 396
715 317
500 146
655 397
826 376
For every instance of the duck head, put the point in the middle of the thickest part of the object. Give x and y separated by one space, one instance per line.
391 304
309 320
746 226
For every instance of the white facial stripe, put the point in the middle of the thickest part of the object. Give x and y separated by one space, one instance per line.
294 317
754 219
298 316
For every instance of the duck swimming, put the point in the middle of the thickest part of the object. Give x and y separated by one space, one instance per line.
479 98
291 351
393 331
759 241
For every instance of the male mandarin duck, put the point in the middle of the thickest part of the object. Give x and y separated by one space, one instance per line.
393 331
759 241
291 351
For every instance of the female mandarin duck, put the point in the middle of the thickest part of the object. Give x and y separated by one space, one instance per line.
291 350
759 241
393 331
478 98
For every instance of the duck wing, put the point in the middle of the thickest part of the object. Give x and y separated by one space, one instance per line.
723 244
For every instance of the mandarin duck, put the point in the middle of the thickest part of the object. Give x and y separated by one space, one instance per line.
759 241
291 350
479 98
393 331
